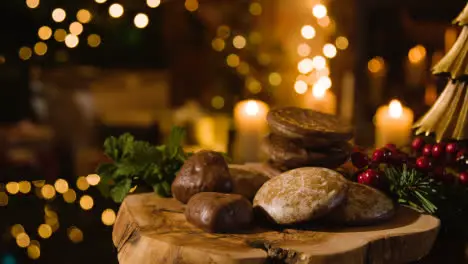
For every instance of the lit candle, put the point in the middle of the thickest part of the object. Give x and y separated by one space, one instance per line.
393 124
321 99
212 132
251 127
416 66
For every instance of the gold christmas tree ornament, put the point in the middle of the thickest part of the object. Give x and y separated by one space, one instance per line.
447 118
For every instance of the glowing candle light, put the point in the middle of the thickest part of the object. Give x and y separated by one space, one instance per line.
393 124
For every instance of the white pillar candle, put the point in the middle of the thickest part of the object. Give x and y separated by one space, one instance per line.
251 127
416 66
393 124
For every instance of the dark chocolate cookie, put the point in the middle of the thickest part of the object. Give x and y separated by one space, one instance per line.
294 122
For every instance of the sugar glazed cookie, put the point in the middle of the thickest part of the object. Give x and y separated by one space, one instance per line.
364 205
301 195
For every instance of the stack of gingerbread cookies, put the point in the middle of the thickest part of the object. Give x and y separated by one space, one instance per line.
306 138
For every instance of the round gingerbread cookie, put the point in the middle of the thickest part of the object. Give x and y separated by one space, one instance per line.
301 195
363 205
294 122
283 151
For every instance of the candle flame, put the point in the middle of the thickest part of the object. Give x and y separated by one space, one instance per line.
395 109
252 108
318 91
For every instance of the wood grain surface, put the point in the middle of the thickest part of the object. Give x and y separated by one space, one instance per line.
153 230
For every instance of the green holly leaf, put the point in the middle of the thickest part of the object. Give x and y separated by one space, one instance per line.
120 190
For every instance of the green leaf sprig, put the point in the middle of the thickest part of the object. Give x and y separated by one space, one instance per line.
138 163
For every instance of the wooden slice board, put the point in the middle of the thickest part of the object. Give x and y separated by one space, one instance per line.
153 230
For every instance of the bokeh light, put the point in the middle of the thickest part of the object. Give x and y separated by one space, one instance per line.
108 217
191 5
319 11
417 54
217 102
16 229
75 234
376 65
71 41
300 87
255 37
76 28
223 32
305 66
44 231
116 10
239 42
308 32
324 82
329 50
34 251
86 202
253 85
341 43
93 179
44 32
24 187
84 16
60 35
94 40
153 3
255 9
275 78
232 60
318 91
319 62
25 53
69 196
40 48
303 50
264 58
13 187
100 1
48 191
23 240
82 183
141 20
243 68
61 186
324 22
59 15
218 44
33 3
3 199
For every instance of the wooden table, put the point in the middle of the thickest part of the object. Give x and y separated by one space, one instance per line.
151 230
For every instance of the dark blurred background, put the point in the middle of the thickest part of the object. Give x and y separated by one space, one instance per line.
74 72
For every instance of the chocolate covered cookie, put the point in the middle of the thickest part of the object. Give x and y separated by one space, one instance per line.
298 123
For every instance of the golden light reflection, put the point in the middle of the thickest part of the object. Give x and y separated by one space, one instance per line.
76 28
243 68
44 231
319 62
153 3
100 1
116 10
93 179
232 60
218 44
32 3
12 187
94 40
275 78
69 196
341 43
25 53
23 240
24 187
44 32
108 217
86 202
223 32
305 66
308 32
84 16
60 35
40 48
417 54
217 102
239 42
48 191
34 251
329 50
324 82
141 20
3 199
300 87
376 65
75 234
253 85
82 183
191 5
303 50
255 9
59 15
61 186
319 11
324 21
16 230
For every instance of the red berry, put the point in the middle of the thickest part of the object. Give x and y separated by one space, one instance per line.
427 150
363 178
370 177
451 148
417 144
378 156
438 150
391 147
423 163
359 160
463 177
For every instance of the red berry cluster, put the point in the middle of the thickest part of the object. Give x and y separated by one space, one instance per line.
433 159
437 158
